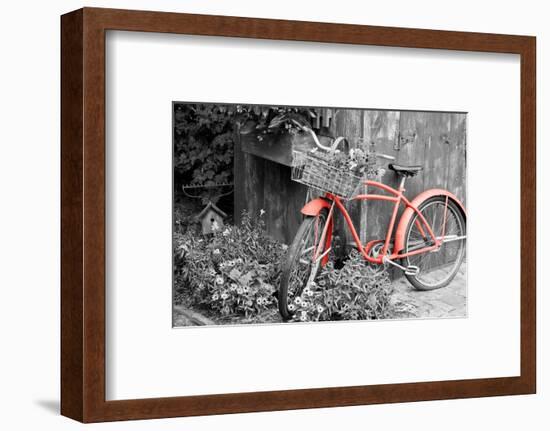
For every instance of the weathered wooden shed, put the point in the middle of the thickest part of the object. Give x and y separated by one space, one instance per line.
435 140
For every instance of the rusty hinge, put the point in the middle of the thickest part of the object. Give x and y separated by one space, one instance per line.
445 139
402 140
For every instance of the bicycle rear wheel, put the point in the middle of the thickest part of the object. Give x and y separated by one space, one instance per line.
436 269
299 265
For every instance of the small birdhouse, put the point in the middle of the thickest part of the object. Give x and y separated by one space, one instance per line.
211 218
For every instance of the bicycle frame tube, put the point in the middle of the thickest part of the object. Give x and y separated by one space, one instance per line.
397 197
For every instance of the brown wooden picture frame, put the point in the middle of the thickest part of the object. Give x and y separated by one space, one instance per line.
83 214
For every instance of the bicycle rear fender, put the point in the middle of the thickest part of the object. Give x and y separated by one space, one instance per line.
409 213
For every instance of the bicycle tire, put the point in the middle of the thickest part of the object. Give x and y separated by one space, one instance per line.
294 251
415 280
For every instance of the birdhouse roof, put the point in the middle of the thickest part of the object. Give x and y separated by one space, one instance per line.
212 207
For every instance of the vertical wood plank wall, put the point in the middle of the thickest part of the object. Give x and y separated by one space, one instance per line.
435 140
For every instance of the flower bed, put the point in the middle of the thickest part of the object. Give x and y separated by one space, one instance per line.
356 291
233 277
235 272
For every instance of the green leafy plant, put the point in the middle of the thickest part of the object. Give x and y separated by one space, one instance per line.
263 120
354 292
204 137
203 147
234 272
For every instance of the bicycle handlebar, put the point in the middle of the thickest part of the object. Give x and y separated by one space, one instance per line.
317 142
336 143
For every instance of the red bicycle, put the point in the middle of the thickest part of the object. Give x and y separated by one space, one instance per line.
429 241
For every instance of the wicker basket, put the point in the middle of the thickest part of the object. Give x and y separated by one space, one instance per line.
313 171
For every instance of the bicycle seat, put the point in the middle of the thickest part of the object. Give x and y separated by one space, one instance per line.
406 171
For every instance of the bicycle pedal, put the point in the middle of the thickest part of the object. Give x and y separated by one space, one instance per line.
412 270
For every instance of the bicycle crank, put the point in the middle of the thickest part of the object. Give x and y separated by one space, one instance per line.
375 251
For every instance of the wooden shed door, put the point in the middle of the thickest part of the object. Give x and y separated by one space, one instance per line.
437 141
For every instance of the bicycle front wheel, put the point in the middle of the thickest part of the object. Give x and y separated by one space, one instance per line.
436 268
300 265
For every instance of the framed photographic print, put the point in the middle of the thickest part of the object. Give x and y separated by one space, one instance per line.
284 254
267 215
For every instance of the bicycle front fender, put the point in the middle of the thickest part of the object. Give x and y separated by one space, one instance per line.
409 213
314 207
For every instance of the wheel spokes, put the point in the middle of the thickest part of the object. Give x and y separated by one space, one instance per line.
305 263
438 265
